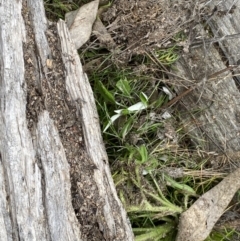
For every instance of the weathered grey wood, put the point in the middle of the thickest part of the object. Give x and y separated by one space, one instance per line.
211 116
214 104
81 93
35 197
227 23
5 221
59 214
21 175
219 123
37 12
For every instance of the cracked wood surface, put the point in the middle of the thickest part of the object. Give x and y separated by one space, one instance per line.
211 113
81 93
216 126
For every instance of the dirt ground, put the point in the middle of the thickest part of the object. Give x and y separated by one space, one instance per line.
138 26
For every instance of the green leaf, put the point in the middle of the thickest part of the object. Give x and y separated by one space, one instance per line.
124 87
127 127
144 99
124 112
154 234
180 186
144 153
105 93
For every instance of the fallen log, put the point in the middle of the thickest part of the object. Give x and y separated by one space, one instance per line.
211 114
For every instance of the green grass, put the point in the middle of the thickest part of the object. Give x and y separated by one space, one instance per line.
156 178
139 156
56 9
224 235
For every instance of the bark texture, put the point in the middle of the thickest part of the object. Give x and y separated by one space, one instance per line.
211 114
211 111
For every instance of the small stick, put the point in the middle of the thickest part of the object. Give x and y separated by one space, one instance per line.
184 93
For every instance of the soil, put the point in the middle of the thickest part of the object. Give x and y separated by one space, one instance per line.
50 94
138 26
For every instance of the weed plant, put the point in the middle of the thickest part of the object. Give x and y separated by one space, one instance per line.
156 179
56 9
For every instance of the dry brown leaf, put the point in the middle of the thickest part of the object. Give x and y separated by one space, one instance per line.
198 221
80 22
102 34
